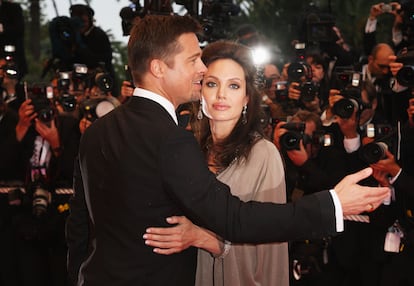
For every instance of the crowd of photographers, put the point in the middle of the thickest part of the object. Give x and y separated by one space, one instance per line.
329 111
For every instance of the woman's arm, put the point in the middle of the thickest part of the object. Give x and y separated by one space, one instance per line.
170 240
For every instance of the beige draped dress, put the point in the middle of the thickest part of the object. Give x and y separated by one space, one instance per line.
260 178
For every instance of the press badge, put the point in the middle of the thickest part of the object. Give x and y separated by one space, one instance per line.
393 238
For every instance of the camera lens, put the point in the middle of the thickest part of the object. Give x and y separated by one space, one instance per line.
308 91
344 108
373 152
405 76
41 200
290 140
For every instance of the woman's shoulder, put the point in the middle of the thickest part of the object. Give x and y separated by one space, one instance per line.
263 149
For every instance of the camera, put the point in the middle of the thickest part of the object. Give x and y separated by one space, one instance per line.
349 84
322 138
291 139
282 91
299 69
41 100
94 108
386 8
40 201
378 130
373 152
103 81
128 14
405 76
308 91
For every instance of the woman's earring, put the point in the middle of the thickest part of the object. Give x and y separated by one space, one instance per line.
200 112
244 117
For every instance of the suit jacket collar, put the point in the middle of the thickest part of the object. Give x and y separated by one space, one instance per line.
166 104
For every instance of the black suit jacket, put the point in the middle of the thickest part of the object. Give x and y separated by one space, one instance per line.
138 167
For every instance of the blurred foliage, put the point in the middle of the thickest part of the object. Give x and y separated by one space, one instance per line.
277 20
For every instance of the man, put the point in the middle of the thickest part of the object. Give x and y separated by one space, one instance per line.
12 34
137 167
392 98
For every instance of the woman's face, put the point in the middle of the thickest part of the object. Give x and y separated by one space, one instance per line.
224 91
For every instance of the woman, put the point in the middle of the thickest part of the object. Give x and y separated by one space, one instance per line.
229 132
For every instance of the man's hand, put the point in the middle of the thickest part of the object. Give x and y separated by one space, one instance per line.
298 157
170 240
388 165
277 133
26 115
294 91
348 126
50 133
394 66
410 112
375 11
356 199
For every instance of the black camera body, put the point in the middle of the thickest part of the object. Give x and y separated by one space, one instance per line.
41 200
42 104
349 84
94 108
384 140
405 76
373 152
291 139
308 91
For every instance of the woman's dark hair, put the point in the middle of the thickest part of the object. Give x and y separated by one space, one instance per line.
244 135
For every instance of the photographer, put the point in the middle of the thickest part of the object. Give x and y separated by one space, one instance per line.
400 176
10 88
370 30
78 40
10 176
12 32
312 94
49 145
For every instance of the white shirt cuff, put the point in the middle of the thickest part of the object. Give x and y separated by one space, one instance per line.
393 179
371 26
352 144
338 212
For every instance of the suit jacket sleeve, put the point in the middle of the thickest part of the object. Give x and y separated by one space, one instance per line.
209 203
77 227
404 184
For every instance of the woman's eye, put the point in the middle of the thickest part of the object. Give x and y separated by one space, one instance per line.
234 86
211 84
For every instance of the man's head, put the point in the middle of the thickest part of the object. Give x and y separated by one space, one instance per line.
165 57
84 13
378 61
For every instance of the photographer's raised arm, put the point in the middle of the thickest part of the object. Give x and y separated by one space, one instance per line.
26 115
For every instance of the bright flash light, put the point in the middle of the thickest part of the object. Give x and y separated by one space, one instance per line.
260 55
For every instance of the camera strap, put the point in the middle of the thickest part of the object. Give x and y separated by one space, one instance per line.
40 158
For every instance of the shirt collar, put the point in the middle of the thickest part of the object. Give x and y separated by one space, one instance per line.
165 103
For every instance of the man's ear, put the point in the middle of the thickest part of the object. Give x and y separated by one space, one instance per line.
157 67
